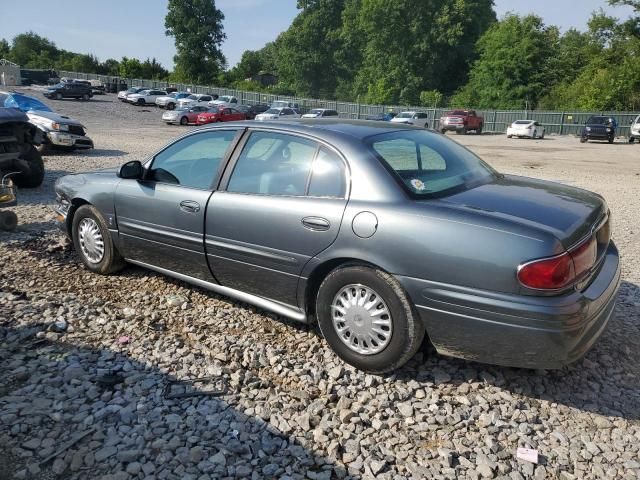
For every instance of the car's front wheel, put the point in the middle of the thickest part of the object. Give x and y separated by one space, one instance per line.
86 97
171 106
58 96
140 101
583 139
367 319
93 242
184 121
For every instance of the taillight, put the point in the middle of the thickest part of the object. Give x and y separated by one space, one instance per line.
547 274
560 271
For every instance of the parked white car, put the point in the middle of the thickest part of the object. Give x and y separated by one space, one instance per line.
169 101
320 113
122 95
224 101
525 128
419 119
146 97
195 99
277 114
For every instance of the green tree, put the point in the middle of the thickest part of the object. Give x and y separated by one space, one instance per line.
415 45
196 26
513 69
5 50
27 47
130 68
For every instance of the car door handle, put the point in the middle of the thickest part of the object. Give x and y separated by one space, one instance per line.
316 223
189 206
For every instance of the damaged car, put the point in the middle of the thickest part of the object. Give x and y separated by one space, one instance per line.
57 130
383 234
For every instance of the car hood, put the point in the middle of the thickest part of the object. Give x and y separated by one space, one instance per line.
36 115
566 212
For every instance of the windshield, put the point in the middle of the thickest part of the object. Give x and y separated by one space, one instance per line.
598 121
192 97
429 164
225 98
456 112
273 111
23 103
316 112
405 115
522 122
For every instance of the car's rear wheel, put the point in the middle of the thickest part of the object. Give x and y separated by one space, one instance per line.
479 130
184 121
367 319
58 96
610 139
171 106
509 136
140 101
85 97
632 139
583 139
443 131
92 241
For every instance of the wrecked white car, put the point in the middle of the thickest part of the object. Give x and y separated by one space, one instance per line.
57 130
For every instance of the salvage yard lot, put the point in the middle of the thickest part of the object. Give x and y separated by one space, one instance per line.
289 407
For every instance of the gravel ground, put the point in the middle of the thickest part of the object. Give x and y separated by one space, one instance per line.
86 360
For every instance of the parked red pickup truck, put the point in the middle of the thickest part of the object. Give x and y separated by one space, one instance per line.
461 121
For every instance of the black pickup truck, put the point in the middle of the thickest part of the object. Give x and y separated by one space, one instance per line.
69 90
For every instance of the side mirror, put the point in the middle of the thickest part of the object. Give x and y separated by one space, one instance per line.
132 170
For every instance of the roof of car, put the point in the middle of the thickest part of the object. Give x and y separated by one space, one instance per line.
358 129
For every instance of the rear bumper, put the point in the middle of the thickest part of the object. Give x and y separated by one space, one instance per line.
515 330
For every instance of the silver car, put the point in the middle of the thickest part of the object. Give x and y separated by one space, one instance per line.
383 234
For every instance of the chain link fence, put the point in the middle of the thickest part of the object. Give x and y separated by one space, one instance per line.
497 121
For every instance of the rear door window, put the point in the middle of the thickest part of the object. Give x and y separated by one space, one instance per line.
273 164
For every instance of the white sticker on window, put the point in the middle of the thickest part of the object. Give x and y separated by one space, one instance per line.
418 184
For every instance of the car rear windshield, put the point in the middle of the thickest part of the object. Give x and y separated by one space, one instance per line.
273 111
405 115
523 122
456 112
428 164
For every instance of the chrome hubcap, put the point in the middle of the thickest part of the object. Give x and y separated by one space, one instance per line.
361 319
90 239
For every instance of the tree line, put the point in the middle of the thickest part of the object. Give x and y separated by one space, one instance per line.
412 52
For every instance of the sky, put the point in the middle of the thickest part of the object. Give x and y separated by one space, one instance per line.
136 29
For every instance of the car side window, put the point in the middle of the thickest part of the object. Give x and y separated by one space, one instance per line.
205 99
193 161
273 164
327 175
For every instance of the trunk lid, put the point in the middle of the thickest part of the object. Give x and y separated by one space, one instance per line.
569 213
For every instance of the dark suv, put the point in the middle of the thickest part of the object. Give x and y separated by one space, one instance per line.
599 128
69 90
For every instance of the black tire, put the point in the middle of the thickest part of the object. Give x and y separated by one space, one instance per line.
509 136
407 329
140 102
184 121
443 131
535 135
632 139
86 97
583 139
479 130
111 261
8 221
58 96
610 139
31 168
171 106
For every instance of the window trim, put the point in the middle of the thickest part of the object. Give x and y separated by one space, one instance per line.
238 149
214 185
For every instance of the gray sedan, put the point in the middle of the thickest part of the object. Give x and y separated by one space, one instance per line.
382 234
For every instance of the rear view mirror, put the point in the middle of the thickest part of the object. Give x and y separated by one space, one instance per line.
131 170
